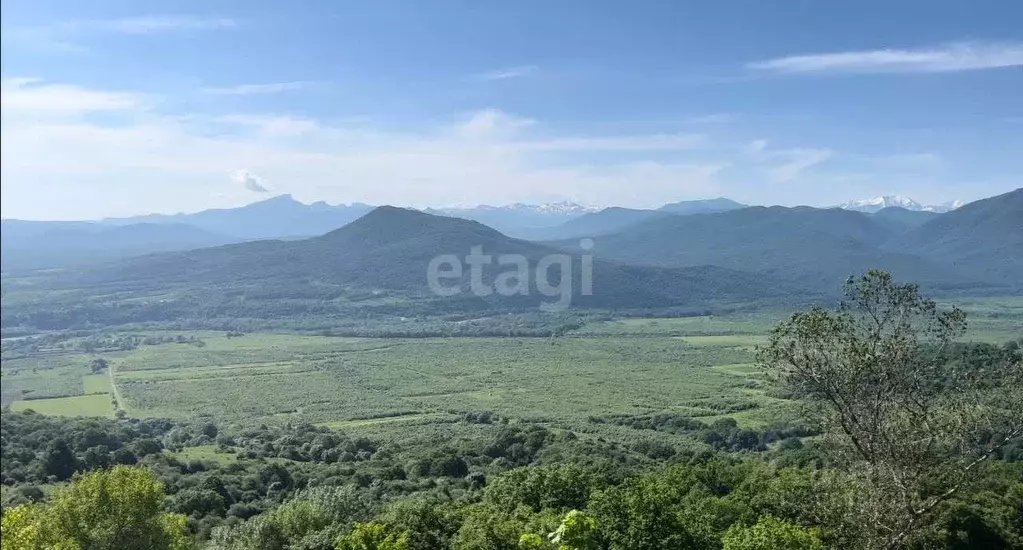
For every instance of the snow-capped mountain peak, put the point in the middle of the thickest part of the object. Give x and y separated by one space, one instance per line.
887 201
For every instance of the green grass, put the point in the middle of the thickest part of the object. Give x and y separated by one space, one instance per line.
96 383
83 405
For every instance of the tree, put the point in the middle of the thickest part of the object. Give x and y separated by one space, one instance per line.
373 536
912 427
771 534
120 509
98 365
59 460
576 532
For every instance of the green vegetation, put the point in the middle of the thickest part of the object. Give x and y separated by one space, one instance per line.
119 509
620 434
84 405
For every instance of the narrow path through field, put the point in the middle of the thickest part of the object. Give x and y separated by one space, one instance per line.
113 388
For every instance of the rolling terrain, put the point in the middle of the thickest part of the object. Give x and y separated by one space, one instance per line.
976 246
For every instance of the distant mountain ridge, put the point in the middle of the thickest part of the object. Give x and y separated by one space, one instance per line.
275 218
378 264
33 245
390 249
26 245
983 238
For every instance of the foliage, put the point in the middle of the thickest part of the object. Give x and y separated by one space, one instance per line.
912 426
120 509
373 536
771 534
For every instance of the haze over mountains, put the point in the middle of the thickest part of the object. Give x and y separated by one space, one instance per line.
977 245
642 260
38 244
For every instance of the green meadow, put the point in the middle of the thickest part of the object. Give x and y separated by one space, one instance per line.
702 367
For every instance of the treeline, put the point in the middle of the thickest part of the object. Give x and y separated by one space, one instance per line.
723 434
91 332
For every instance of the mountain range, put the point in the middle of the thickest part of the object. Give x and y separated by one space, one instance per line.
717 232
654 260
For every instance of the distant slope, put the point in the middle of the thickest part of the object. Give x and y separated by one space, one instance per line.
391 248
902 219
608 220
518 220
36 245
812 247
707 206
983 238
275 218
615 218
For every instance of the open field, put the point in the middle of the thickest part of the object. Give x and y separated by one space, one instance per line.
347 380
82 405
702 367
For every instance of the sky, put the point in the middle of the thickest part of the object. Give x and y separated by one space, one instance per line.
123 108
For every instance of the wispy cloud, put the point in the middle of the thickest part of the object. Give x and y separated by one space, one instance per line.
63 162
257 89
508 72
714 118
65 36
785 165
146 24
945 58
32 96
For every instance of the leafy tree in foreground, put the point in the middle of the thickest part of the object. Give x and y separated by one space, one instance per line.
912 427
119 509
373 536
771 534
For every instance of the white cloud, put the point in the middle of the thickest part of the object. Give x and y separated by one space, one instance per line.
253 89
57 163
64 36
250 181
508 72
31 96
945 58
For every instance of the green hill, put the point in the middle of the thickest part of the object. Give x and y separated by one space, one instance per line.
903 219
981 239
379 261
807 246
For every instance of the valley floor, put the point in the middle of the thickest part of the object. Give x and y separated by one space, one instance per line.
697 367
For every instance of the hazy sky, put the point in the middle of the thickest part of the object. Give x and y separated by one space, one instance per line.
115 108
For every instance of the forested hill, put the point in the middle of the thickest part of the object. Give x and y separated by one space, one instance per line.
978 245
984 238
384 256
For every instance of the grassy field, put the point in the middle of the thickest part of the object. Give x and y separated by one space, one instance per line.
697 366
344 380
82 405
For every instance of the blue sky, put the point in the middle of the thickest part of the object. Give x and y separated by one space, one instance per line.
120 108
